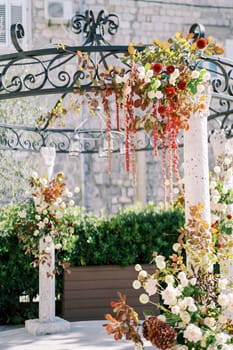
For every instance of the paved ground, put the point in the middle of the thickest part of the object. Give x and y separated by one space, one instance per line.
84 335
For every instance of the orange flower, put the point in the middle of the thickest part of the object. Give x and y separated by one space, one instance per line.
202 106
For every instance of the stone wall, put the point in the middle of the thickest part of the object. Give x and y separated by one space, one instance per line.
140 21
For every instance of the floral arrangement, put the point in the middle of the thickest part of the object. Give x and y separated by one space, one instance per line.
164 86
194 298
48 217
156 88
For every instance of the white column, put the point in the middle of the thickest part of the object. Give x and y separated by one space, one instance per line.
196 177
223 150
47 322
196 165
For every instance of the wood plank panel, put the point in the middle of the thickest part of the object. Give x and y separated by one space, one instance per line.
89 290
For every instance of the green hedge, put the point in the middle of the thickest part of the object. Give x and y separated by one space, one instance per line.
126 238
17 276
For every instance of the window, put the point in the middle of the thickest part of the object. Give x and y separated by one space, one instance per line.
11 12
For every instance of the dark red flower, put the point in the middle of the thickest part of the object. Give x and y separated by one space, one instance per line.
170 69
70 224
201 43
170 91
157 68
182 85
229 216
161 109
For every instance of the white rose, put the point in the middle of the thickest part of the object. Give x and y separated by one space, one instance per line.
223 300
222 319
58 246
151 94
169 279
22 214
159 95
195 74
48 239
151 287
161 265
162 318
217 169
209 322
221 338
46 220
193 281
193 333
175 310
192 308
222 283
185 317
169 295
181 275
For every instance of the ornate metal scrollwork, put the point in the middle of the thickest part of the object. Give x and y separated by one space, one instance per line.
54 71
93 28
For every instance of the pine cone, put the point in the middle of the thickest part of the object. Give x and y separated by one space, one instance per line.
159 333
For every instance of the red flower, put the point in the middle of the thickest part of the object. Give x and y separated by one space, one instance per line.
170 69
201 43
161 109
70 224
170 91
181 85
157 68
229 216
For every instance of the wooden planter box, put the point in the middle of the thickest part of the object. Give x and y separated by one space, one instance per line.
89 290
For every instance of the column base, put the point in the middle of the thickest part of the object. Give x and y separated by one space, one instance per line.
58 325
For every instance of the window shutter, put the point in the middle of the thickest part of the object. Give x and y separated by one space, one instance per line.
16 14
11 12
2 24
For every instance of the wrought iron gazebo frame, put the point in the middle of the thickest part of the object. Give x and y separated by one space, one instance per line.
52 77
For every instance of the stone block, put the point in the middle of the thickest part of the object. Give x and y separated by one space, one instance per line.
58 325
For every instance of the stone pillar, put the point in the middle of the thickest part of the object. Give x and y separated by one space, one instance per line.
196 173
141 177
223 153
196 166
47 322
